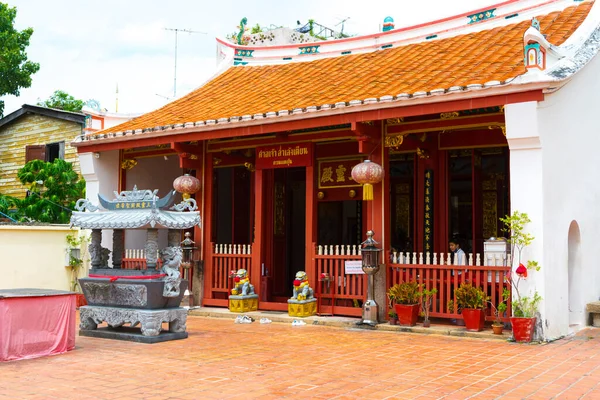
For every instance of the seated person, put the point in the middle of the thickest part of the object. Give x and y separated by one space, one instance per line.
459 256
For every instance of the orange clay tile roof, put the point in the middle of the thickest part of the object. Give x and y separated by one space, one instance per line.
475 58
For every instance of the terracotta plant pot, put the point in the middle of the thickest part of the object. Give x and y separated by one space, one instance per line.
407 313
474 319
522 329
497 329
426 324
393 321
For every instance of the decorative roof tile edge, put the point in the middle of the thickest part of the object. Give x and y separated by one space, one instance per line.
356 105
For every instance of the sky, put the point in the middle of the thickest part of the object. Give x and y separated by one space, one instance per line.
89 48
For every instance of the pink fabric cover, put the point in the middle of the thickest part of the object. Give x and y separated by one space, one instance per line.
33 327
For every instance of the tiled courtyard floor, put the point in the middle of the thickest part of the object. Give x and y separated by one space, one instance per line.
223 360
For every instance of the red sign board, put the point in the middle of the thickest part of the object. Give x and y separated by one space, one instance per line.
284 156
337 173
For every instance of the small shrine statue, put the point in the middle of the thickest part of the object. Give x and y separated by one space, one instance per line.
302 291
241 284
303 303
104 256
171 257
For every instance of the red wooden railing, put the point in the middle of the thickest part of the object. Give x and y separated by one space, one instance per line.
446 278
341 293
227 258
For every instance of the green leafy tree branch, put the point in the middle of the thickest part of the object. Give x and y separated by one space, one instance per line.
15 68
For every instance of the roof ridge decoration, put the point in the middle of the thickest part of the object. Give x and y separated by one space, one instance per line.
547 62
537 48
493 16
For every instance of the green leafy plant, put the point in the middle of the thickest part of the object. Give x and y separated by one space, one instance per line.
514 225
426 300
62 101
404 293
9 207
500 309
468 296
74 243
54 190
392 314
15 68
256 29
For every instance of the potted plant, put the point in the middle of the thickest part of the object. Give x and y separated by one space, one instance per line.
524 307
470 301
405 297
75 263
393 317
426 300
498 325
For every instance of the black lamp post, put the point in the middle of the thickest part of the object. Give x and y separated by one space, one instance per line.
371 256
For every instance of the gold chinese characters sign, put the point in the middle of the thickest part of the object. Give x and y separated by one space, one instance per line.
132 205
428 216
337 173
283 156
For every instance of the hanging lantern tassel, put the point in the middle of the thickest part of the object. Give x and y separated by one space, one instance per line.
367 173
367 192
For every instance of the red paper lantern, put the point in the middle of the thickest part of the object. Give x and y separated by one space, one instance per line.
186 185
367 173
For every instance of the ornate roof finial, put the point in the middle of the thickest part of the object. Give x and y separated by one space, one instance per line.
535 23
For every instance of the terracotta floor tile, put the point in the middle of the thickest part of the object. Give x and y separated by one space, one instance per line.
221 360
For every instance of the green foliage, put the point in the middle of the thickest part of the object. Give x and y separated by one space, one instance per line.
426 299
15 69
256 29
469 296
527 306
60 187
500 309
75 263
405 293
63 101
514 226
7 203
523 306
392 314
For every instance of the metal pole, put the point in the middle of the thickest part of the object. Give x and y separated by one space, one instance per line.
176 30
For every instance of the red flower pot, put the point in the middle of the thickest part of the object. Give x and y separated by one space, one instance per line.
522 329
407 313
474 319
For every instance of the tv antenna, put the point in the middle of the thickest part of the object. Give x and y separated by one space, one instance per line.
177 30
342 23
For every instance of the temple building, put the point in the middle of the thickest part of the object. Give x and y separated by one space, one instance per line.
471 117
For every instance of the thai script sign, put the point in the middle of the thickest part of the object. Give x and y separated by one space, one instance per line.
283 156
428 216
337 173
353 267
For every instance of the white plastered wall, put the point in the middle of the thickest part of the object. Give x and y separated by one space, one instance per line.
555 178
101 174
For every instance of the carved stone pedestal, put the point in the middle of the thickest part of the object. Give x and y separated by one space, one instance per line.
150 322
302 308
242 304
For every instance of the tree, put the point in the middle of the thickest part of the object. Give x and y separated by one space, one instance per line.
8 207
63 101
54 190
15 69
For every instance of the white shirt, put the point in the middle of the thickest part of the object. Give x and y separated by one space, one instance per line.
460 257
